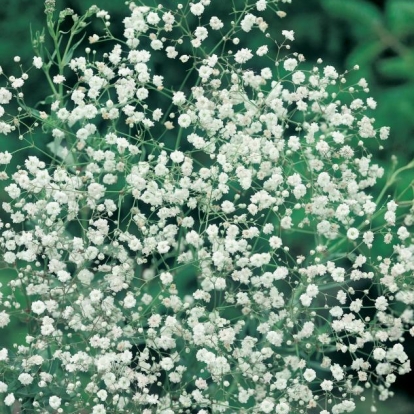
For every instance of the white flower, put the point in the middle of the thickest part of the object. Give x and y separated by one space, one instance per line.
53 208
9 400
5 157
312 290
5 128
290 64
368 238
282 408
142 93
168 18
216 23
197 9
261 5
330 72
166 278
102 395
379 354
298 77
9 257
337 372
96 191
305 299
153 18
371 103
13 190
4 354
275 338
99 409
25 378
201 33
5 96
177 156
129 301
227 207
262 50
4 319
167 364
289 34
171 52
381 303
275 242
17 83
248 21
58 79
286 223
178 98
384 133
38 307
156 44
37 62
309 375
163 247
267 405
184 120
205 72
336 311
243 55
352 233
327 385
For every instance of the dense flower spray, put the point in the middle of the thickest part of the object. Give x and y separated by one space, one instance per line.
202 246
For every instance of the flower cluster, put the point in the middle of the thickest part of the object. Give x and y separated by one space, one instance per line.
200 246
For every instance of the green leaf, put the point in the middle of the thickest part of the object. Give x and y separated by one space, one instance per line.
396 108
362 16
47 101
400 16
399 67
364 54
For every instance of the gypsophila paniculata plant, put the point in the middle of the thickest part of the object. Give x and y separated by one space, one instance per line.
192 225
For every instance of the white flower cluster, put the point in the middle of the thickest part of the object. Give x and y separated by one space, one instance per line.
204 248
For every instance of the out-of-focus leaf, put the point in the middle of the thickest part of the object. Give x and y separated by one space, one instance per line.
399 67
47 101
365 53
395 109
302 22
400 16
362 15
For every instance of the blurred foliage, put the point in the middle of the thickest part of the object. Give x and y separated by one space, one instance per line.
377 35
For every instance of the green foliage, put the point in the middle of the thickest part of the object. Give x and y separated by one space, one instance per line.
365 17
381 43
400 16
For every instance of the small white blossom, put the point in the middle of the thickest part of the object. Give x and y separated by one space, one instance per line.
243 55
9 400
290 64
289 34
58 79
184 121
197 9
37 62
352 233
